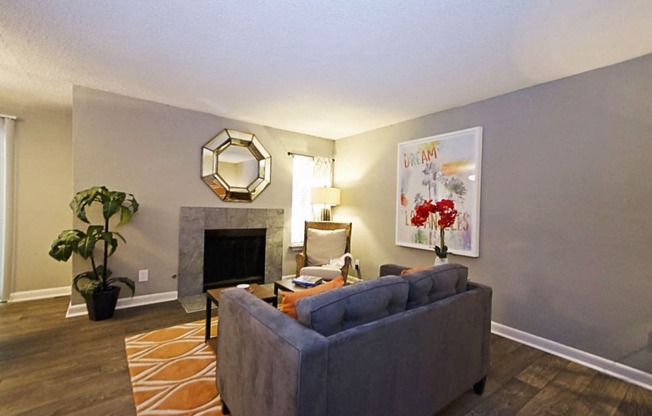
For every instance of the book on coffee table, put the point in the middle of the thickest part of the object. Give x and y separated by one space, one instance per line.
307 281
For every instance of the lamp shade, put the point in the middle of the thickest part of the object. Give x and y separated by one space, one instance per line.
325 196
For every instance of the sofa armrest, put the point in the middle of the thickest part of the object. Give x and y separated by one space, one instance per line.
268 363
486 298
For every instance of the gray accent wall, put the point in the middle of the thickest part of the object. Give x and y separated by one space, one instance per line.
566 224
154 151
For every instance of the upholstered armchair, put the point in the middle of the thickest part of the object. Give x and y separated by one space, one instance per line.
322 242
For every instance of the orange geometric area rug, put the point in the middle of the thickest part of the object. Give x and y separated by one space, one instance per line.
173 371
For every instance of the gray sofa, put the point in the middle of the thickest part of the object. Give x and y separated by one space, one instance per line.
397 345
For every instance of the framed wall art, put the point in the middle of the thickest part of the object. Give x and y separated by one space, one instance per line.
445 166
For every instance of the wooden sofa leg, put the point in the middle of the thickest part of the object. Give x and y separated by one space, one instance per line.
225 409
478 387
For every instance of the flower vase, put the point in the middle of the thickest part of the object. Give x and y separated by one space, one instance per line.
440 260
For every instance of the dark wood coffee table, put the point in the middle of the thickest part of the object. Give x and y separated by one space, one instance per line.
286 284
213 297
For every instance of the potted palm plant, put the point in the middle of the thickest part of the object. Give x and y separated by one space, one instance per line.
97 285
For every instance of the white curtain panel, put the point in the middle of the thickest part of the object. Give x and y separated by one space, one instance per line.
6 206
302 168
322 175
322 172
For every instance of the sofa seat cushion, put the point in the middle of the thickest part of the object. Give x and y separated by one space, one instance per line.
435 283
338 310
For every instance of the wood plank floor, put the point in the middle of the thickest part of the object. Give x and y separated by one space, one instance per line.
50 365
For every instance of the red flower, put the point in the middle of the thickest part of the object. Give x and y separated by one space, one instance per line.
422 212
447 213
445 210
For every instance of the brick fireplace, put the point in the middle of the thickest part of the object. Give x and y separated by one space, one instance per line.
193 223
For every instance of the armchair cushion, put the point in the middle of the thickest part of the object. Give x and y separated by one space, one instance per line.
322 245
325 272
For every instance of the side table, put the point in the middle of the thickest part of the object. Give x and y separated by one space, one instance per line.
213 297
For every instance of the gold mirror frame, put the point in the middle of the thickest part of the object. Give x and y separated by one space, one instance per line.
217 148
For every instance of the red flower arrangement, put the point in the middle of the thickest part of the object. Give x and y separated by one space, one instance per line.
446 213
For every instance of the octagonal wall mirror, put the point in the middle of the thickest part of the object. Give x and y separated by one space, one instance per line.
236 166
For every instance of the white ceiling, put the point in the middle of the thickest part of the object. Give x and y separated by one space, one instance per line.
326 68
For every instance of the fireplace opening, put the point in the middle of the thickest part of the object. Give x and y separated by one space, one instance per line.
234 256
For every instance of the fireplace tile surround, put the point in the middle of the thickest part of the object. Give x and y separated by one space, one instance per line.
194 220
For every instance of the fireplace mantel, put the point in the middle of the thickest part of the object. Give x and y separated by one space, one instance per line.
194 220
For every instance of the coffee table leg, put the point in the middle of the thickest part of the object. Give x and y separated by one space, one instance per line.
208 318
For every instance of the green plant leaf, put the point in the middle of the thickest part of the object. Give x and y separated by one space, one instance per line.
112 203
128 209
86 283
87 243
125 215
111 242
88 290
127 282
100 271
65 244
83 199
115 234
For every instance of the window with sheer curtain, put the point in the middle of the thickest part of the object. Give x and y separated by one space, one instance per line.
307 172
6 202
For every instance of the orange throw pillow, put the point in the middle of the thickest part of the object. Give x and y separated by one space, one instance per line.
414 269
289 299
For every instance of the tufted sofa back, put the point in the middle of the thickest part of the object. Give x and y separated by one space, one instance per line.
337 310
435 283
347 307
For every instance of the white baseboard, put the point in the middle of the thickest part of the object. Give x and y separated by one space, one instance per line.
40 294
123 303
613 368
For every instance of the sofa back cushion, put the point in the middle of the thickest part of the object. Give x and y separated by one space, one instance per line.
435 283
347 307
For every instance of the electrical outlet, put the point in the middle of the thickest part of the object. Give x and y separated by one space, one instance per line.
357 263
143 275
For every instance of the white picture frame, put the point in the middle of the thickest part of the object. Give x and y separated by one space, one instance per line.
444 166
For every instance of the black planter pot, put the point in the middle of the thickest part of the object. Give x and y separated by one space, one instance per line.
102 304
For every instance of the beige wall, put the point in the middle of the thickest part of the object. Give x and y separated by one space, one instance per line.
154 151
43 190
565 214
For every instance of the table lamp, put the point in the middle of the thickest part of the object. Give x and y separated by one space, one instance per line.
326 197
